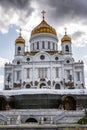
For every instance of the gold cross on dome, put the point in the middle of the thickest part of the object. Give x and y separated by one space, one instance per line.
43 12
65 30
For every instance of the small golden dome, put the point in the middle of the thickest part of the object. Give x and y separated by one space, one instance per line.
20 39
43 27
66 37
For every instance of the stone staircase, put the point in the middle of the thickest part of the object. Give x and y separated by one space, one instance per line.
44 116
59 117
4 119
68 117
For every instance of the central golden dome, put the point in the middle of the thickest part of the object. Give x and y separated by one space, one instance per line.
43 27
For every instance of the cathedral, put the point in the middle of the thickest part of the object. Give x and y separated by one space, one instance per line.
44 77
45 66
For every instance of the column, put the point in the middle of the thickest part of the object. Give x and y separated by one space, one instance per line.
12 76
62 75
51 75
42 120
33 73
83 79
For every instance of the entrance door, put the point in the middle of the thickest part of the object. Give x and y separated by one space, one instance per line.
31 120
69 103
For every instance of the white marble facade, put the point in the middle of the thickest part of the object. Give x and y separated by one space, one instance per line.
45 66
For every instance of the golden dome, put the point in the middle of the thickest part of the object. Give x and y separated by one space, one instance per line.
20 39
66 38
43 27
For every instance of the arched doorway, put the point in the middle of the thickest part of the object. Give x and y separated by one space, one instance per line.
28 86
31 120
2 103
57 86
42 85
69 103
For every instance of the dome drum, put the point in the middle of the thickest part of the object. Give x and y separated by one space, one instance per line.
40 42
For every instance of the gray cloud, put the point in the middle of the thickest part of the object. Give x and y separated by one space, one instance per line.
16 4
61 11
24 6
77 35
15 12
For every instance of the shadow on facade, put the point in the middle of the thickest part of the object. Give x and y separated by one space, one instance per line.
3 103
31 120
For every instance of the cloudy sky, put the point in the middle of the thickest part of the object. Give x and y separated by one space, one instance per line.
26 14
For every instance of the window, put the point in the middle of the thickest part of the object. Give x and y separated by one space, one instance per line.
33 46
18 75
53 46
57 72
48 45
67 48
68 74
19 49
43 45
42 85
57 86
56 46
78 76
37 45
28 71
42 72
56 58
67 61
28 59
9 77
42 57
28 86
18 62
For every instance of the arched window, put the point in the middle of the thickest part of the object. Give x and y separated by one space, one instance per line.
53 46
57 86
37 45
56 46
33 46
19 49
43 45
48 45
67 48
